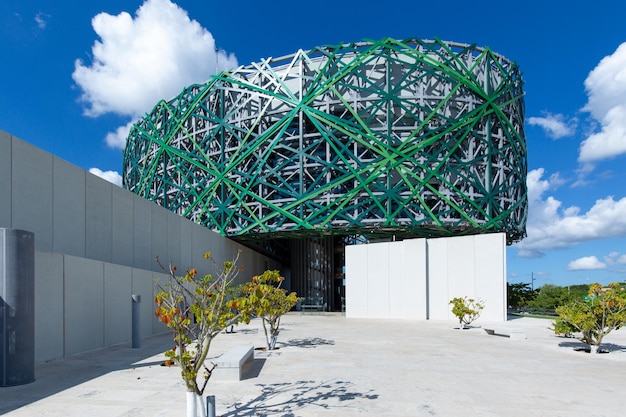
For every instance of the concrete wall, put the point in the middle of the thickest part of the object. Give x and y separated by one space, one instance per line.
416 279
95 246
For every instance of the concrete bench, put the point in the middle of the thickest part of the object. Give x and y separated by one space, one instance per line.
512 332
230 366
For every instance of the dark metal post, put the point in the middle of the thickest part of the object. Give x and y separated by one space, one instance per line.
210 406
136 321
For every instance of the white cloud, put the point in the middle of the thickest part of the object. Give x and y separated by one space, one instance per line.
614 258
606 90
117 139
142 59
42 20
555 125
585 264
551 226
111 176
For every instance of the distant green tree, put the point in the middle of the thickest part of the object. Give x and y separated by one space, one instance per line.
578 292
519 294
550 297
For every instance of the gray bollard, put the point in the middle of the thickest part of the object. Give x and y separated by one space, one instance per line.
210 406
136 321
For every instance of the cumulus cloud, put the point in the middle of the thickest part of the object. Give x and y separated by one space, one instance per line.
585 264
606 90
555 125
110 176
142 59
551 226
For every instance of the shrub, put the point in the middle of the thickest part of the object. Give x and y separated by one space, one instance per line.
466 310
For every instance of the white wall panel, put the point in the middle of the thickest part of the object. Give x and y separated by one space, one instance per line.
397 281
438 295
414 292
378 280
461 266
356 281
491 275
433 272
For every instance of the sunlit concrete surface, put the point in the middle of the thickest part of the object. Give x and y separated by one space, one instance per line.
328 365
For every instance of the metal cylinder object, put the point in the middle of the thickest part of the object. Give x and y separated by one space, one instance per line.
136 318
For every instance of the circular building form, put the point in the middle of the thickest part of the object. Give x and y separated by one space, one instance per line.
414 138
381 139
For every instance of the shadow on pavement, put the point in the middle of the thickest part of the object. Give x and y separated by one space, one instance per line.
285 399
309 342
61 374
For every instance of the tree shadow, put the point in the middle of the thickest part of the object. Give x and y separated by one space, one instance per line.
310 342
246 331
284 399
604 347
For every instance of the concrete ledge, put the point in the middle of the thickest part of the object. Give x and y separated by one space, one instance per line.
230 366
512 332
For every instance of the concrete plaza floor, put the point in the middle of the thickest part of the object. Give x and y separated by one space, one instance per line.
328 365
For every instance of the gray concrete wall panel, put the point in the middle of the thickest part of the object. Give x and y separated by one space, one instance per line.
5 179
32 193
122 233
48 306
98 219
142 233
159 236
118 282
173 240
186 244
68 218
95 245
84 304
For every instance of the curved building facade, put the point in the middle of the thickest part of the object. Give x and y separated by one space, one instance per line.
408 138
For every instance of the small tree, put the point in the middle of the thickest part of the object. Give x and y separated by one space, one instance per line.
466 310
270 302
602 311
197 309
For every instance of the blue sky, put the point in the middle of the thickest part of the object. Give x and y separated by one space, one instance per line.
75 74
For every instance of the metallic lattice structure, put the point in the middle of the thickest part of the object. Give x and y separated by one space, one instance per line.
409 138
